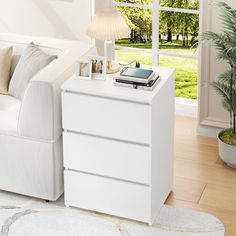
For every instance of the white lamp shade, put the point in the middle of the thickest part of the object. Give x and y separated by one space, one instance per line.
108 24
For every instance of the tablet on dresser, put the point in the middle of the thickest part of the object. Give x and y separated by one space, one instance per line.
136 74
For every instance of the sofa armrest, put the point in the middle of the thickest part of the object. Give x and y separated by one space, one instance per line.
40 114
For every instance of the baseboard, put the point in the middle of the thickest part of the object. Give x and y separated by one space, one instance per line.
208 131
186 107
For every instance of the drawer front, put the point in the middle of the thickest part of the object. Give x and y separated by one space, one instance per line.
106 117
107 157
107 196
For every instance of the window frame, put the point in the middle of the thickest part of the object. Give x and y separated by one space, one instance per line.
156 9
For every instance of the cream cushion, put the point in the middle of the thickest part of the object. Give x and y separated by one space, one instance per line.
5 68
31 62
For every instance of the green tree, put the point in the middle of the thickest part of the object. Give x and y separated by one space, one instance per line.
183 24
167 19
139 20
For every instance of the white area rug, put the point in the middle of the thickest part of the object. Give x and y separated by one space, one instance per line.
22 216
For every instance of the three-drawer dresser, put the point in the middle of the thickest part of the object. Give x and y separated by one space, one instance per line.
118 146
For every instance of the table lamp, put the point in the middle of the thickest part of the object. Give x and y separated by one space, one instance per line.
109 25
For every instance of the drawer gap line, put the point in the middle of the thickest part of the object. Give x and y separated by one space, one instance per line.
106 138
108 177
107 97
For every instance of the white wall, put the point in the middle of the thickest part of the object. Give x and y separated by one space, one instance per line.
54 18
212 117
66 19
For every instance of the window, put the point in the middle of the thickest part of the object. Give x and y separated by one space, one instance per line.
164 33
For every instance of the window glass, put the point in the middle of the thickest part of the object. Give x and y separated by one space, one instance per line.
127 56
178 32
186 75
140 23
185 4
143 2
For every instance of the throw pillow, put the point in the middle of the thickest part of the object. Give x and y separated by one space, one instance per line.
31 62
5 68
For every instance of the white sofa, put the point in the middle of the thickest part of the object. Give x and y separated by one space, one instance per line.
31 129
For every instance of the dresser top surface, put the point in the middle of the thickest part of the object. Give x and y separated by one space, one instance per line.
106 88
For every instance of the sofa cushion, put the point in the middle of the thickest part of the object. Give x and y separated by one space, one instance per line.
9 114
5 68
31 62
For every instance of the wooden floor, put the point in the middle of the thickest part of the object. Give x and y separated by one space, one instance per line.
202 182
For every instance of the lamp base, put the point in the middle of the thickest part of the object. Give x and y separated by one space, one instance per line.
112 67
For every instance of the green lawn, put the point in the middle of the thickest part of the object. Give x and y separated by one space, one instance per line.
186 69
171 47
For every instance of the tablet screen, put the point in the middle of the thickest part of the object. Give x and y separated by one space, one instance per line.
137 73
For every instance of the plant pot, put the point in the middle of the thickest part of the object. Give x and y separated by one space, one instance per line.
227 152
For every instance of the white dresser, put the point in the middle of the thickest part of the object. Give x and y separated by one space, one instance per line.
118 146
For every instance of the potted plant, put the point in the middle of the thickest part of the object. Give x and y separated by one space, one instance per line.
225 85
